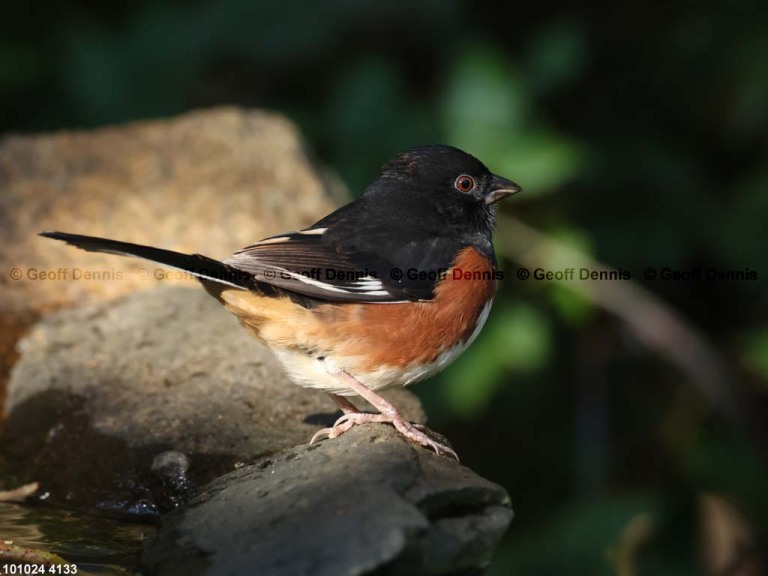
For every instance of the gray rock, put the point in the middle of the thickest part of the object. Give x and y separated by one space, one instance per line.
103 393
367 502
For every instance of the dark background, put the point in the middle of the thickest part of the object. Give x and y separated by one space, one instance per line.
638 131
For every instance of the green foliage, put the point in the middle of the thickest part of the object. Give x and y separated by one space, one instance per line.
720 461
571 305
755 354
488 108
516 340
580 539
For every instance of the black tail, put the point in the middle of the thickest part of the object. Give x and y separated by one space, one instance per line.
201 266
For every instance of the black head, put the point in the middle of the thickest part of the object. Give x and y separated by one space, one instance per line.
448 174
425 206
437 191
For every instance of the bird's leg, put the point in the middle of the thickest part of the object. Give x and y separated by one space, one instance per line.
346 406
388 413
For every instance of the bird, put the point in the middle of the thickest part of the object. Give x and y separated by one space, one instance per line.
383 292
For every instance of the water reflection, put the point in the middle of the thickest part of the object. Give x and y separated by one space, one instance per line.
97 545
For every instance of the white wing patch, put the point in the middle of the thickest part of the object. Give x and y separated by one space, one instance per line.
284 238
313 231
313 282
273 240
365 285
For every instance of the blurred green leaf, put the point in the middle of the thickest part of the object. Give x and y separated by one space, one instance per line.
572 306
485 99
489 111
517 338
755 354
540 160
576 540
371 118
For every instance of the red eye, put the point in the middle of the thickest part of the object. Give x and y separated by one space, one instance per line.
464 183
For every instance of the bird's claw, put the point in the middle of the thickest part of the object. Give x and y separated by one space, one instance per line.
411 431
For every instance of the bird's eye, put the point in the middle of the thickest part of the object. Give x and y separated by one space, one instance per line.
464 183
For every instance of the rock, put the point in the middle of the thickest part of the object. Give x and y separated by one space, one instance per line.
133 404
367 502
209 182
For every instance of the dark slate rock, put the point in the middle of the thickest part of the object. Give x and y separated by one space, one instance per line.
365 503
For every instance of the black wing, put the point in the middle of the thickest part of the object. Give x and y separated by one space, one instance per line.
309 262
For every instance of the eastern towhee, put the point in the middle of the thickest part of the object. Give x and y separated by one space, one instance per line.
385 291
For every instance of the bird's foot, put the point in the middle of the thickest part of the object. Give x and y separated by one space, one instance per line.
344 423
413 432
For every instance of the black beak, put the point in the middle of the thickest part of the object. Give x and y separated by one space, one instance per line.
500 189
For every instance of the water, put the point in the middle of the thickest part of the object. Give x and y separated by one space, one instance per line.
95 544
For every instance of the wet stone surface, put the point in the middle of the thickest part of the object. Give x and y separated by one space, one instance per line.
365 503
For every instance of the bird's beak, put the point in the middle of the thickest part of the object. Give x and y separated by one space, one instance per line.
500 189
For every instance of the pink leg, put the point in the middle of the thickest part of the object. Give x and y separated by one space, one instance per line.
346 406
388 414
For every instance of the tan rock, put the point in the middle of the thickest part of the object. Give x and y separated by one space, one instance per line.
208 182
